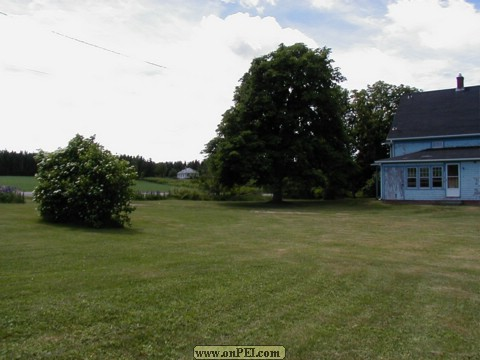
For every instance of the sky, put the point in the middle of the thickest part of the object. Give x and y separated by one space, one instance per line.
153 77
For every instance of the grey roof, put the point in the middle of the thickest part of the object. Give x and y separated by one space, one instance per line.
187 171
437 113
434 155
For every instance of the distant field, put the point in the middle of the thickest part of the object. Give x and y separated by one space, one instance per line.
142 185
28 183
327 280
24 183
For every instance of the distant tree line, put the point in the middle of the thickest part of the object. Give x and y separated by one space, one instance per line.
17 164
24 164
149 168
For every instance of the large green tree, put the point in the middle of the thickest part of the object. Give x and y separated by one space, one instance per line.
84 183
368 121
285 124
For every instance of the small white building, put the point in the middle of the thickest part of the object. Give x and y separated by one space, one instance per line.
187 173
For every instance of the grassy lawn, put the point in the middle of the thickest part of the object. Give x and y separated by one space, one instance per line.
327 280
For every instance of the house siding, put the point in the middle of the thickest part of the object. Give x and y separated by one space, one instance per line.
470 180
403 147
394 182
424 195
434 129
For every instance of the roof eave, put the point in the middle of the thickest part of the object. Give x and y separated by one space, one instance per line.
431 137
387 161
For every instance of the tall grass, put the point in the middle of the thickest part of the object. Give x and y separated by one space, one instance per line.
327 280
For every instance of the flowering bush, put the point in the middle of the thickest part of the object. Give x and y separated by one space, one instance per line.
84 183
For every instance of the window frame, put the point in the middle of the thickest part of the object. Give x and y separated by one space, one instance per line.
412 176
424 177
437 180
438 144
429 177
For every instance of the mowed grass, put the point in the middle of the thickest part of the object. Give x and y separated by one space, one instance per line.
327 280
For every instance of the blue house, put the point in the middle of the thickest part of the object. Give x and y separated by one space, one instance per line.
434 147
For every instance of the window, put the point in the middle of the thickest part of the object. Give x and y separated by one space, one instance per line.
437 177
425 177
453 176
412 177
437 144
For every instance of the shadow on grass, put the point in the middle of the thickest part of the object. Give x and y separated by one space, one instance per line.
76 227
308 204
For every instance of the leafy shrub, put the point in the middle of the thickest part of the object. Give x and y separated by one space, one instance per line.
188 194
162 181
246 193
238 193
318 193
370 187
85 184
9 194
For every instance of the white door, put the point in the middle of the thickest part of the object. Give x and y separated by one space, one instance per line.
453 180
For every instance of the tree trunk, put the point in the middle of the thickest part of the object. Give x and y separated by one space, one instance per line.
278 193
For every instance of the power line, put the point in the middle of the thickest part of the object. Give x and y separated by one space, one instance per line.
99 47
151 63
104 48
37 71
90 44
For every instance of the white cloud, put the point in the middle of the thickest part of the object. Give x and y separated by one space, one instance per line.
55 86
329 4
423 43
259 5
370 64
433 24
249 36
350 10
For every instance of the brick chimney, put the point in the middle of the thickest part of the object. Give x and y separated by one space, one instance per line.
460 86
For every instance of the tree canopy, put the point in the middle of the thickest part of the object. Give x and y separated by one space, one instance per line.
368 122
285 124
84 183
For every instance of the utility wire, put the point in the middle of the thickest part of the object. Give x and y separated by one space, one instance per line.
104 49
151 63
99 47
90 44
